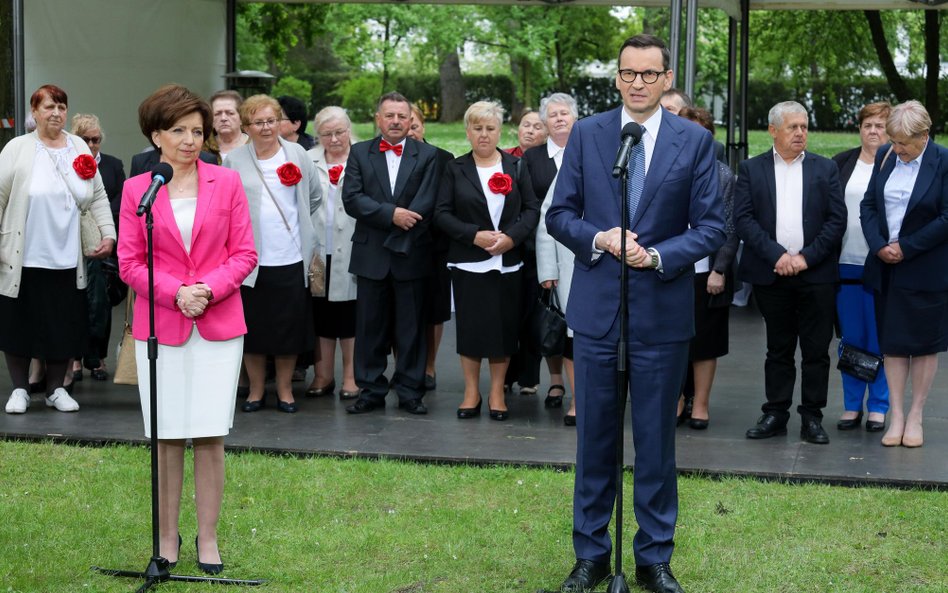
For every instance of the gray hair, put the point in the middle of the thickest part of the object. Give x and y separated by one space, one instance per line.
908 119
562 99
331 113
483 110
781 110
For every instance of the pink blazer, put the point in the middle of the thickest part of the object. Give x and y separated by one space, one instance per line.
222 255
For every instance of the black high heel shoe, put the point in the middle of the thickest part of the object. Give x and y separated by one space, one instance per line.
851 423
205 567
466 413
175 563
499 415
255 406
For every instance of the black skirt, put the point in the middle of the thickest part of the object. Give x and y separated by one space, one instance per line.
711 324
487 312
49 319
911 322
278 312
335 320
438 291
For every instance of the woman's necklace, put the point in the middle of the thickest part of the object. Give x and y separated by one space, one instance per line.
184 184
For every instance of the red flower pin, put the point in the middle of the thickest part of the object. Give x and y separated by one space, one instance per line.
289 174
85 166
335 172
500 183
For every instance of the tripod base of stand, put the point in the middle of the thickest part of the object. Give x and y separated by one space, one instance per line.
618 584
157 572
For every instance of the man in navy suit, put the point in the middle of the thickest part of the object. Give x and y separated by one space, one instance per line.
677 218
790 212
390 189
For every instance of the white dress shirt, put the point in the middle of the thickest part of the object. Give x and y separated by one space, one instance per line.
789 178
393 161
898 191
555 152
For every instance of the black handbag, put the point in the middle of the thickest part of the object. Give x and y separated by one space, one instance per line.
858 363
551 324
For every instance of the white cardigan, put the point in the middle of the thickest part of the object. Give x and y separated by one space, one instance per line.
342 284
16 174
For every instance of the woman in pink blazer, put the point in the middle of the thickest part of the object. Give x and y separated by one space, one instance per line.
203 250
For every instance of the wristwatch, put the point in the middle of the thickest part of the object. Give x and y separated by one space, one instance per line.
656 259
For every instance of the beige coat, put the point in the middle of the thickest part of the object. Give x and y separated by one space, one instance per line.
342 284
16 174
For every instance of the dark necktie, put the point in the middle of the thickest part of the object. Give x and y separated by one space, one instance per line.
396 148
636 179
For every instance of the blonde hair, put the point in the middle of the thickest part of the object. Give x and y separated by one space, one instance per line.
255 103
483 110
81 122
908 119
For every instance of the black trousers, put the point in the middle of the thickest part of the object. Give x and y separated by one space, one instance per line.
796 311
390 313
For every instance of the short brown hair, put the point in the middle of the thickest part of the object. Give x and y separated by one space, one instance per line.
167 105
391 96
48 90
700 116
645 41
257 102
880 109
226 94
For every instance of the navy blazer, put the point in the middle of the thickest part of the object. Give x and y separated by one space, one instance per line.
380 248
461 210
755 217
679 214
923 235
113 178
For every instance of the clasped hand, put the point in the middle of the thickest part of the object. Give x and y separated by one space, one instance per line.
635 255
193 300
790 265
891 253
404 218
493 242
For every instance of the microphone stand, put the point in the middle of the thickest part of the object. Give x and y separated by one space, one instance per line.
158 569
618 583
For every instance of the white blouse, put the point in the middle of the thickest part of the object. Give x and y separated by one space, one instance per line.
184 210
51 235
278 247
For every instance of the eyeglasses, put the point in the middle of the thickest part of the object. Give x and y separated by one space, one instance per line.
648 77
263 123
336 133
91 139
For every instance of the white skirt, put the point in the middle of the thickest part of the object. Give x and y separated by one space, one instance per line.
197 386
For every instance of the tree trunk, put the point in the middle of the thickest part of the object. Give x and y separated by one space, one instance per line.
7 108
520 74
453 104
892 76
932 67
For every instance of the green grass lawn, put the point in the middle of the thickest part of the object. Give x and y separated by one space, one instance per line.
321 525
451 137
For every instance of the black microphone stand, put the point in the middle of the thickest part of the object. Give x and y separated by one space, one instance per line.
158 569
618 583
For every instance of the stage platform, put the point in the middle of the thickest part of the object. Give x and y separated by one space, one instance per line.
534 435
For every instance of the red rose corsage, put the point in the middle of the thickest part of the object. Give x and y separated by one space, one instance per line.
335 172
500 183
289 174
85 166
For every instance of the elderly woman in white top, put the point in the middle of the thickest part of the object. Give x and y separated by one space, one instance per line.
334 313
46 178
283 191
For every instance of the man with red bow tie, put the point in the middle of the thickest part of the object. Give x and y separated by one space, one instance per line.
391 183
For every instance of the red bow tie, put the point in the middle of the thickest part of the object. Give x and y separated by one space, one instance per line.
396 148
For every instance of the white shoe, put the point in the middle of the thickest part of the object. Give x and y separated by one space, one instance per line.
62 401
19 401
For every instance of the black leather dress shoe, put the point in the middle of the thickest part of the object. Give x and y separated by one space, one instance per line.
657 578
767 426
362 406
851 423
413 406
585 576
873 426
812 432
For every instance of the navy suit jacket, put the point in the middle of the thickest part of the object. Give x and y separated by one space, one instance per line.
923 235
679 214
380 248
755 216
461 210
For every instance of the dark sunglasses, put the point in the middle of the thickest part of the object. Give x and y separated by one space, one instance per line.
91 140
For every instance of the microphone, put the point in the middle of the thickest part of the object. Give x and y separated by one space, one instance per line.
160 175
631 134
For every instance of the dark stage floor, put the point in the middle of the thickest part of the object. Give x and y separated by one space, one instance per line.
533 435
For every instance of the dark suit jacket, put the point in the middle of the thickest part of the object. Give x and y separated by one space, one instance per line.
755 216
380 248
461 210
722 261
113 178
923 235
542 169
144 162
846 162
679 214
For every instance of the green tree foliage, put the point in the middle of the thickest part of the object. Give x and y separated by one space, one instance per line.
293 87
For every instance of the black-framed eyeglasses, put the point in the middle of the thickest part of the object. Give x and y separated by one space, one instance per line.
648 77
91 139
